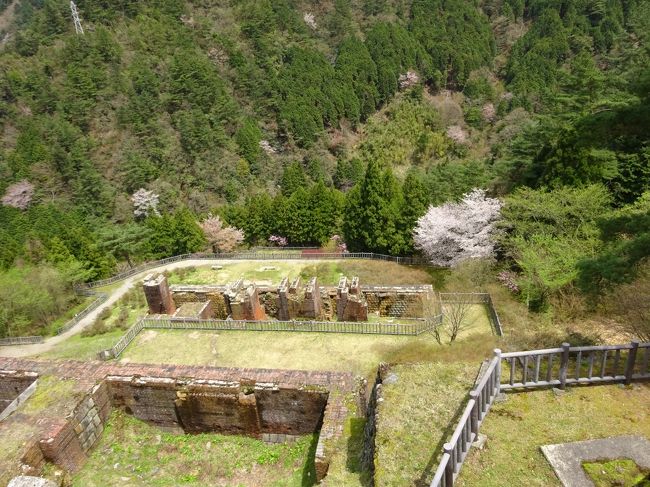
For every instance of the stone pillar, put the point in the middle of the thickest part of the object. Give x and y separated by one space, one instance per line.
158 295
254 310
245 304
354 286
293 288
312 305
230 294
283 302
341 297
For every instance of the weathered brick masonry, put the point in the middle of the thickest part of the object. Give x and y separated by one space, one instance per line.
349 301
12 383
252 402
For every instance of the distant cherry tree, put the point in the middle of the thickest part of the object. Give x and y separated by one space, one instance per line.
219 236
408 79
278 240
454 232
145 203
19 195
457 134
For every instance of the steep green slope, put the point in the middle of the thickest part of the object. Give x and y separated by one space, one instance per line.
303 119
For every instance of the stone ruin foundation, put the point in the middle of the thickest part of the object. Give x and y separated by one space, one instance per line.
240 300
272 405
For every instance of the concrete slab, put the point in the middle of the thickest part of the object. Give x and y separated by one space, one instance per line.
567 458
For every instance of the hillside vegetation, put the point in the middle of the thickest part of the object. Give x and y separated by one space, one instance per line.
308 119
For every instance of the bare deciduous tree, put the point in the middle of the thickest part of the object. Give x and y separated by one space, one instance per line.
630 305
220 237
456 315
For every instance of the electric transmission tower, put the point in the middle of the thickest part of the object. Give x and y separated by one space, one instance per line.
75 18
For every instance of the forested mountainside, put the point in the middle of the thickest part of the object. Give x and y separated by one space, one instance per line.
306 119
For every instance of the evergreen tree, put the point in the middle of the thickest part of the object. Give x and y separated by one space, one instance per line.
371 211
248 139
293 177
414 205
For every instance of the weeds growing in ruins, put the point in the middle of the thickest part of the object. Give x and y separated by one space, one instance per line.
146 455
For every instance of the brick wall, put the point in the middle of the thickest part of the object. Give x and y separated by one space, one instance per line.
67 442
12 383
263 403
294 300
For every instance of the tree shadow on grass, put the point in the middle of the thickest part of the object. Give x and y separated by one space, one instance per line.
432 464
356 444
309 470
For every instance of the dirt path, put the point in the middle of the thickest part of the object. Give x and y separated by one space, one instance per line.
7 17
38 348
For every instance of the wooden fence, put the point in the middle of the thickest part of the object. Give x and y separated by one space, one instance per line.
553 367
476 298
413 328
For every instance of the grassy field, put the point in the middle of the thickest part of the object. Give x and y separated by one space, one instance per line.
518 427
288 350
132 453
328 273
414 419
293 350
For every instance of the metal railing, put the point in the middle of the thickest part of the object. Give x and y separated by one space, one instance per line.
29 340
21 340
552 367
414 328
101 299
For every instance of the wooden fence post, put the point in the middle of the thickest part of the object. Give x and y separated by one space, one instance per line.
451 465
497 372
631 358
564 364
474 416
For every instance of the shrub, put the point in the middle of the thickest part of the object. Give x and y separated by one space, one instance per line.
97 328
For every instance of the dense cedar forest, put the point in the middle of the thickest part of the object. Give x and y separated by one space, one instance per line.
308 119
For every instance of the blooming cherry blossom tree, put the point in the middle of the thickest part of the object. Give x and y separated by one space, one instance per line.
221 237
457 134
19 195
310 20
145 203
279 240
408 79
454 232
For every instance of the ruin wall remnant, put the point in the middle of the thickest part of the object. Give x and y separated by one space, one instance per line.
158 295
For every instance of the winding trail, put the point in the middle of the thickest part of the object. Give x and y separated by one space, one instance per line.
116 294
